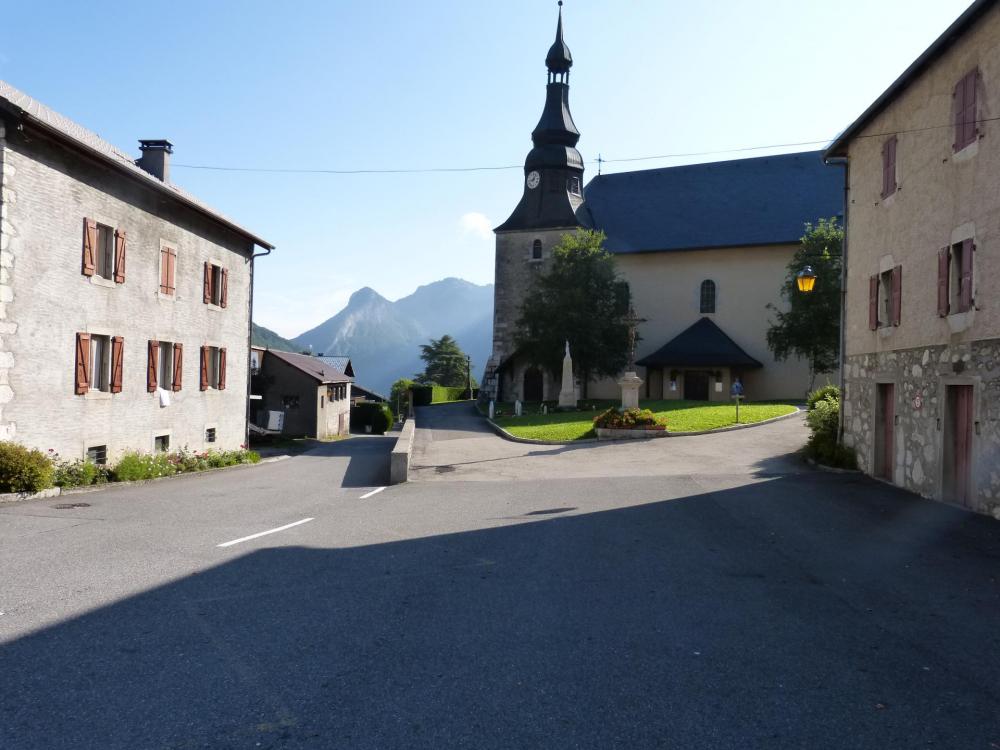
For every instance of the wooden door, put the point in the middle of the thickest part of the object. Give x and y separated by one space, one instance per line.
958 445
885 429
695 386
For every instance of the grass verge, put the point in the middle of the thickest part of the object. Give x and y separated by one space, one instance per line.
680 416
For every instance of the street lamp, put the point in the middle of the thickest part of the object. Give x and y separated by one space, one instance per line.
806 279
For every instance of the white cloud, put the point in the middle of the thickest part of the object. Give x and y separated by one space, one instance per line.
477 224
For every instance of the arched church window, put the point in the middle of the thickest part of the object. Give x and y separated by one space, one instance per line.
574 185
536 250
708 296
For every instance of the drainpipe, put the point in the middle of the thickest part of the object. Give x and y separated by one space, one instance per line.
842 355
246 421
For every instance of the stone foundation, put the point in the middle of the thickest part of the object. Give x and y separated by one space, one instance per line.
921 377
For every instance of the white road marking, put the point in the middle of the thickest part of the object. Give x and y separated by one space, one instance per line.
373 492
265 533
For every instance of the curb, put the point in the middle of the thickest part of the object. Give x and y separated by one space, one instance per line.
830 469
16 497
530 441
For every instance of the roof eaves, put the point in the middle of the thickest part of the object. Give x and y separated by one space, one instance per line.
929 55
128 168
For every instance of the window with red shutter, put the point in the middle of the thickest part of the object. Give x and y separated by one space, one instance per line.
82 363
896 311
222 370
89 247
119 256
117 363
203 385
224 291
207 284
178 367
966 110
889 167
965 269
168 262
873 302
152 365
944 285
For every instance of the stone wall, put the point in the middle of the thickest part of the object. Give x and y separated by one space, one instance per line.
921 376
48 191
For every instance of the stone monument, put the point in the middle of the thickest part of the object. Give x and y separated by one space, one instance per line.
567 394
630 382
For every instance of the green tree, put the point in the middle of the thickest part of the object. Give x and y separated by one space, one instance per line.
580 299
445 364
810 327
399 397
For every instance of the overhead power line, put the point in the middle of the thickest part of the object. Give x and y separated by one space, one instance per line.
599 161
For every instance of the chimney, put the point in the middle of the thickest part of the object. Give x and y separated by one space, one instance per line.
155 158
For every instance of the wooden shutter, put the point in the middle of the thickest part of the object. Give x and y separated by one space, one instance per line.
965 110
224 292
222 369
152 365
965 282
207 284
204 369
119 256
82 363
164 270
897 295
873 302
889 167
172 272
117 363
944 261
178 366
89 247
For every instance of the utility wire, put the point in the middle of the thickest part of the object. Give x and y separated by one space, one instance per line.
599 161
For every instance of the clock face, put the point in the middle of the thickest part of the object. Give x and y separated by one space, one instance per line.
533 179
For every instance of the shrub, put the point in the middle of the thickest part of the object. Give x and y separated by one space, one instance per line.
423 395
136 466
24 469
442 394
370 414
823 419
616 419
398 396
79 473
821 394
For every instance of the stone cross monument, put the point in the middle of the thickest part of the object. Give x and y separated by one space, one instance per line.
567 394
631 382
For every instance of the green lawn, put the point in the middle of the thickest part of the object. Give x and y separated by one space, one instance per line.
680 416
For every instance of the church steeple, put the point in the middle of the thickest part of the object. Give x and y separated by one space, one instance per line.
553 169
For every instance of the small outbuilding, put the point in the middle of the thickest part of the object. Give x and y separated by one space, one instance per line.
313 396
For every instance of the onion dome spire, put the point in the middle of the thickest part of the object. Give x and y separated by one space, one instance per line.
559 59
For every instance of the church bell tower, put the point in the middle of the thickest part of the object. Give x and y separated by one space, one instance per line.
550 205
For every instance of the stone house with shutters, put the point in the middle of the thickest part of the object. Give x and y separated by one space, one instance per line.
922 325
124 301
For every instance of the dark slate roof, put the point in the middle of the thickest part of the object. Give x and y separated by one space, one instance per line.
69 132
312 366
702 345
940 45
761 201
368 394
343 364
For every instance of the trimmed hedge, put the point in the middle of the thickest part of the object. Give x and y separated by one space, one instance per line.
425 395
370 414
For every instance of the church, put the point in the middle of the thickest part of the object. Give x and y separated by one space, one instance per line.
704 248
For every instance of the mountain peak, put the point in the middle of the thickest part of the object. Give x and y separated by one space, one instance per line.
364 296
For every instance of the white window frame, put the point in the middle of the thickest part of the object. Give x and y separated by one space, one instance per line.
100 362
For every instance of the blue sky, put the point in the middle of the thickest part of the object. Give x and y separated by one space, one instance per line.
441 83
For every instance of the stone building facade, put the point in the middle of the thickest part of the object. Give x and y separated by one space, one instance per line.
704 242
922 374
124 302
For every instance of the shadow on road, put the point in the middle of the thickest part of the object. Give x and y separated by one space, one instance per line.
367 458
785 613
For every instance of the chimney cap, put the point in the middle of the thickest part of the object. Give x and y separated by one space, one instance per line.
156 144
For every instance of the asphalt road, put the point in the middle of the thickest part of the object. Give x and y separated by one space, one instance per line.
767 609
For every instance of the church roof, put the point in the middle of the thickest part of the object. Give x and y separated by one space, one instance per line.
761 201
702 345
